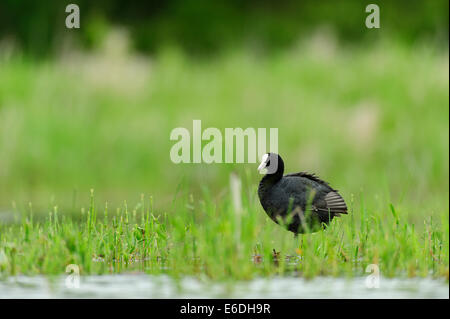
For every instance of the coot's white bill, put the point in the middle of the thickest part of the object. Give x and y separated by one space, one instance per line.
263 164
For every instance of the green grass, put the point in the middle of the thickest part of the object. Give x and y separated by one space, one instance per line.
372 121
207 239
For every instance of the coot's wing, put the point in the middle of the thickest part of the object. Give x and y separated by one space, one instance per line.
332 202
312 177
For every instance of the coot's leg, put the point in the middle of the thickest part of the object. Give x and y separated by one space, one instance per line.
276 256
300 246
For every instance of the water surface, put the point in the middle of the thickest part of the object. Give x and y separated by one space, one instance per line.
146 286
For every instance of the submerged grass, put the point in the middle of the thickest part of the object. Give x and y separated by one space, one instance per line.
207 239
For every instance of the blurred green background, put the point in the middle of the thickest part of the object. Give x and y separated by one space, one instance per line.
366 109
205 26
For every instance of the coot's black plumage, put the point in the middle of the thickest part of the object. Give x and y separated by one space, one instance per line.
301 201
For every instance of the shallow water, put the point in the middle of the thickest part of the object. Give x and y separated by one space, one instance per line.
146 286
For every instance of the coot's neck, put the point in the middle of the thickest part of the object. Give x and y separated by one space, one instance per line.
271 179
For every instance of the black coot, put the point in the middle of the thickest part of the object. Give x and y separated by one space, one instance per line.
301 201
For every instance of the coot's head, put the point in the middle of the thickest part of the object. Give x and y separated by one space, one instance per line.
271 163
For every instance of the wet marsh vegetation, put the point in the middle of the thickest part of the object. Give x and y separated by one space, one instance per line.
205 238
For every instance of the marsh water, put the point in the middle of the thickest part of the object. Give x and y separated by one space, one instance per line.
146 286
